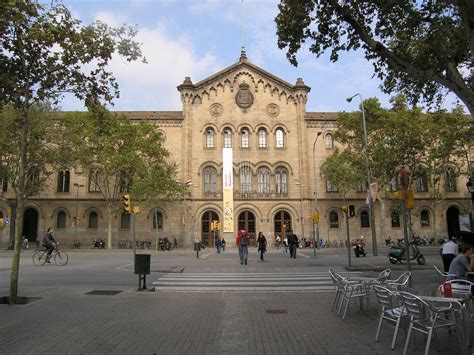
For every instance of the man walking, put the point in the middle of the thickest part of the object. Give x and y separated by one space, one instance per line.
449 252
242 241
293 242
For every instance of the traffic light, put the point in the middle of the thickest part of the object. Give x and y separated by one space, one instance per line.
345 209
2 224
352 211
316 217
127 203
213 225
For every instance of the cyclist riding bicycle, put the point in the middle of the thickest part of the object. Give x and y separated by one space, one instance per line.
49 243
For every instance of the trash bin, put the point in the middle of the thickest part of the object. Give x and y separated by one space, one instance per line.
197 246
142 264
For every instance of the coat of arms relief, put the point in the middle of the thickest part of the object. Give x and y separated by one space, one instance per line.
244 97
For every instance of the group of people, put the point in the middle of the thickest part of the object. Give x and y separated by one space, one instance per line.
456 263
243 240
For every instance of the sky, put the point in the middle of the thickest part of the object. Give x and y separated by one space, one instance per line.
197 38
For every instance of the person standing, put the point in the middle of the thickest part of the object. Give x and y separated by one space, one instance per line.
285 243
49 243
218 245
262 244
223 244
242 241
293 242
449 252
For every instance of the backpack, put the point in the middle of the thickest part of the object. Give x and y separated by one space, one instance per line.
243 240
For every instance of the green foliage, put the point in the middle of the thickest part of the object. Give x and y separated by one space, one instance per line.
418 48
343 169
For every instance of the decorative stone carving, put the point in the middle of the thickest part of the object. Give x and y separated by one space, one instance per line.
216 110
244 97
272 110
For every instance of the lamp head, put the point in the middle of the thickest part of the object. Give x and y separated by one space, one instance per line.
319 133
349 99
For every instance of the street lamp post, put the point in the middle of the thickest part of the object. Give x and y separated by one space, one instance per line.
301 209
315 203
185 186
369 176
194 215
77 185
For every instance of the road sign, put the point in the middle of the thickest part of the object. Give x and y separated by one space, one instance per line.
6 221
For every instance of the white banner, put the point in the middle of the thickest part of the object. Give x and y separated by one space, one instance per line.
228 189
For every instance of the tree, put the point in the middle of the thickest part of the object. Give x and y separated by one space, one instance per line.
120 156
46 52
418 48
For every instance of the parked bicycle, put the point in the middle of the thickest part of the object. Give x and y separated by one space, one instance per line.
59 257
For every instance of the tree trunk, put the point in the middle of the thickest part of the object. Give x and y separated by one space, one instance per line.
11 239
434 218
109 232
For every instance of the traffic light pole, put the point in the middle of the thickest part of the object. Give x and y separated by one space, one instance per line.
346 219
132 222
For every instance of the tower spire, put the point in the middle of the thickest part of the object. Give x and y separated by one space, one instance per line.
242 51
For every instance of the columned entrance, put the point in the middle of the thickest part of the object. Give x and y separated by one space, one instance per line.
452 220
30 224
246 221
282 219
207 236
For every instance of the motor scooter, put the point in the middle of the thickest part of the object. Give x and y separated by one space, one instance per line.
397 253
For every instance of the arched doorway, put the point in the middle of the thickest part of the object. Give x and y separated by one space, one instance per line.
30 224
207 235
452 220
282 218
246 221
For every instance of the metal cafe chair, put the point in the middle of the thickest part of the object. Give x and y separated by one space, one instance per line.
352 290
444 275
400 283
337 280
392 310
384 276
423 318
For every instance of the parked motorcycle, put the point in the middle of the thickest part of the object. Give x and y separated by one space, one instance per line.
397 253
358 250
98 243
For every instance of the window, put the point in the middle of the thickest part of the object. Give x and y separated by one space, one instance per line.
157 220
61 220
125 221
209 176
281 181
330 187
33 177
262 138
125 182
244 138
421 181
395 217
227 138
93 220
393 185
364 219
333 220
425 218
263 176
362 186
450 181
329 141
280 138
245 179
94 181
210 138
63 181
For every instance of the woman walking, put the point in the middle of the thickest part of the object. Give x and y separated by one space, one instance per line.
262 244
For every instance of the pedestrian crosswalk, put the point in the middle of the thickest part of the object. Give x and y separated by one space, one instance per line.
255 282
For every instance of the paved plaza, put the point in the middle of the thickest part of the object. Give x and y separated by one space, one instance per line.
182 317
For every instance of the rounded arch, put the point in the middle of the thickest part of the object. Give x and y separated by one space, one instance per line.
214 207
249 207
283 164
263 126
208 125
37 206
208 164
281 206
244 74
263 164
205 221
282 218
92 209
55 212
232 127
151 212
286 130
245 125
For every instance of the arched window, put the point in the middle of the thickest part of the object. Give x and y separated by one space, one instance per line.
393 184
425 218
450 181
364 219
93 220
210 138
63 181
244 138
209 176
282 219
227 138
362 186
125 221
329 141
61 220
262 138
395 218
263 175
421 181
333 220
280 138
245 179
157 220
281 181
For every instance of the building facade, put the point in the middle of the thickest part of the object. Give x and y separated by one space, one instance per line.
277 151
